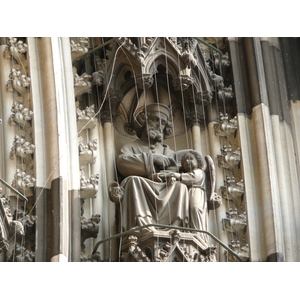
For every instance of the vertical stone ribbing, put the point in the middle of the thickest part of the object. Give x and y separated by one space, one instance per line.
108 131
276 113
247 147
57 150
270 197
214 143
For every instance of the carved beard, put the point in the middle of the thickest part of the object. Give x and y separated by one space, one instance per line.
155 135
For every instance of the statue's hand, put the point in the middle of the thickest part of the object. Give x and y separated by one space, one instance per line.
162 161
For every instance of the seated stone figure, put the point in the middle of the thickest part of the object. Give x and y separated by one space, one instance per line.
147 197
149 166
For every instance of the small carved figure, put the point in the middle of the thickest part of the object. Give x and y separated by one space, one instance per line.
201 196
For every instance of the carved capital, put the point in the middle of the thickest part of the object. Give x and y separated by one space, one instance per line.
195 116
182 82
82 84
203 98
111 107
89 186
144 81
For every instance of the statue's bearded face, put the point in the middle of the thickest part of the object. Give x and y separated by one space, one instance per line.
156 124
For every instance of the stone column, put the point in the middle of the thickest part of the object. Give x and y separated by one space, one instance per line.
248 145
108 115
58 149
268 46
290 73
267 169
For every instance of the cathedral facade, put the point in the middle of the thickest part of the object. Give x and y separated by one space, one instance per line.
149 149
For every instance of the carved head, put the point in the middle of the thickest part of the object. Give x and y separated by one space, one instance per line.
155 120
192 160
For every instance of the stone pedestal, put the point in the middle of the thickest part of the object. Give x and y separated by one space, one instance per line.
166 246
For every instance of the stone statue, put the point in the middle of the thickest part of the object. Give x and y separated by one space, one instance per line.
149 193
200 185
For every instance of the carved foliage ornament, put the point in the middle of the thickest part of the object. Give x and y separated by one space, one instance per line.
87 153
85 118
17 50
22 149
19 82
23 183
21 116
89 186
80 48
82 84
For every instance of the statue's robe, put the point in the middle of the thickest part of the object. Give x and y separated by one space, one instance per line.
147 201
196 181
